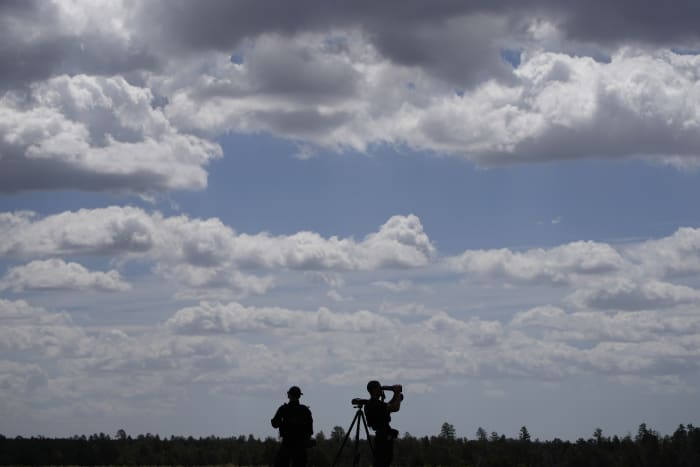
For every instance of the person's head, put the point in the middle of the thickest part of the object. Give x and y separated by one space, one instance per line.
294 393
374 388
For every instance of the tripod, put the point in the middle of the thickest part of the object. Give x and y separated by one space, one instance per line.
359 417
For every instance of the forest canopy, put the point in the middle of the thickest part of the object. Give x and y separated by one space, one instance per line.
646 447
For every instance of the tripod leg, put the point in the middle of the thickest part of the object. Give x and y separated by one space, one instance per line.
356 451
347 435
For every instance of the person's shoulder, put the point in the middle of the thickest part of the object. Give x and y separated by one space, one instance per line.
375 403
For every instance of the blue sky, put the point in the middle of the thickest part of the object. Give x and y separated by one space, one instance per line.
184 235
261 186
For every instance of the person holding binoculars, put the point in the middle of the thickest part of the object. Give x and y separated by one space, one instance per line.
378 414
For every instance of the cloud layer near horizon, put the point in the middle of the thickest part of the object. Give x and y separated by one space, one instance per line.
212 344
622 299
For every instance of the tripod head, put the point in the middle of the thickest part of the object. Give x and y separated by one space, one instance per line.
358 403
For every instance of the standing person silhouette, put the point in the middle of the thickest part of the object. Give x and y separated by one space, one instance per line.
295 424
378 415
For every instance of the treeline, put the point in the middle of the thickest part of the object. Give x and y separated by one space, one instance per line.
646 448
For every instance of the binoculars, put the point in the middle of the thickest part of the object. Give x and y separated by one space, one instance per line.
395 388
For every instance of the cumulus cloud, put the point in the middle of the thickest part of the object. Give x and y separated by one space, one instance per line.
36 331
252 348
672 256
553 106
632 276
400 242
558 265
336 296
107 231
331 279
203 254
566 107
222 25
18 378
623 326
625 294
221 281
475 330
56 274
43 39
395 287
47 358
98 99
206 254
541 342
95 133
216 318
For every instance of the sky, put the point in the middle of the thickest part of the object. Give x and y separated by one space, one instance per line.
493 204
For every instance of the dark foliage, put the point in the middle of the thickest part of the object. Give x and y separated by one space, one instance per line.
647 448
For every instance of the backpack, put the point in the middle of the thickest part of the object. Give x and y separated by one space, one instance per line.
296 421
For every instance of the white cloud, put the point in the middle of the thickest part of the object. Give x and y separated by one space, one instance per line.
254 348
217 318
675 255
348 84
19 378
209 259
96 133
537 343
626 294
36 332
336 296
558 265
53 38
205 256
56 274
407 309
553 106
632 276
396 287
329 278
107 231
624 326
475 330
400 242
221 281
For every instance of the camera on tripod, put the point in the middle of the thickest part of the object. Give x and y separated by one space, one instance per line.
358 403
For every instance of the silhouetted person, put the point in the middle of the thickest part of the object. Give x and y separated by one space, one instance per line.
378 414
295 423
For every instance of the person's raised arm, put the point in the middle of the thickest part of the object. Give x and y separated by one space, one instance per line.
395 403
